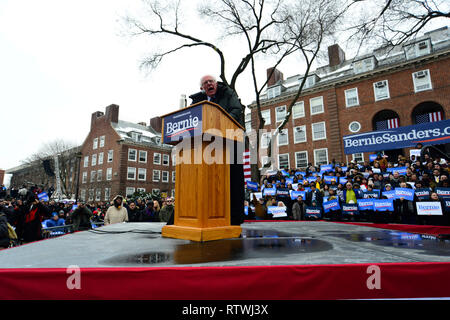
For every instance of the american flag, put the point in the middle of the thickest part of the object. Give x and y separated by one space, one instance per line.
387 124
429 117
247 167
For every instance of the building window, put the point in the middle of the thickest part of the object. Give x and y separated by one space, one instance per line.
166 160
155 190
299 134
364 65
173 176
93 174
358 157
265 140
100 158
102 141
142 174
298 110
107 194
95 144
91 195
131 173
165 176
86 162
283 138
157 158
418 49
381 90
301 159
280 113
129 191
143 156
98 194
318 131
84 177
266 116
264 160
351 97
354 127
422 80
140 190
83 194
316 105
108 174
283 161
135 136
99 175
320 156
110 155
94 160
273 92
132 154
156 175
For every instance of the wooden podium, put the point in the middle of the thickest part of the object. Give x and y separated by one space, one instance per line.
202 134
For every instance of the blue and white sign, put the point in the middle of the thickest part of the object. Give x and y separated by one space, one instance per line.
296 194
422 194
389 194
277 212
185 123
343 180
371 194
252 186
372 157
326 167
365 204
311 179
246 210
429 208
329 179
400 170
285 173
429 133
289 181
405 193
315 212
302 173
43 196
443 192
270 191
383 205
351 209
332 205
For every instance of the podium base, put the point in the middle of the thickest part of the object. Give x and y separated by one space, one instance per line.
201 234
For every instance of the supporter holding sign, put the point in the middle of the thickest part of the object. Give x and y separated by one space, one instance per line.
313 212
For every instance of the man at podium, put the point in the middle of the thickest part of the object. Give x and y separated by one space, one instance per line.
224 96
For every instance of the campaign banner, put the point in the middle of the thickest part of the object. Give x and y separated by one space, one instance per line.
372 157
329 179
383 205
43 196
285 173
343 180
376 170
428 208
311 179
284 192
296 194
400 170
246 210
181 124
371 194
258 195
447 205
344 169
332 205
429 133
389 194
422 194
350 209
302 173
405 193
277 212
289 180
326 168
365 204
443 192
294 186
313 212
252 186
270 191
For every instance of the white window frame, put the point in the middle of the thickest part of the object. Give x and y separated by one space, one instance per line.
107 194
359 153
285 132
95 144
110 156
350 126
93 176
100 158
86 162
133 171
173 176
311 105
315 156
98 194
314 138
166 178
296 160
94 160
266 118
102 142
298 105
84 177
142 171
281 118
428 75
129 191
83 194
273 92
294 130
130 152
154 160
263 139
376 89
158 174
288 161
165 160
264 160
108 174
347 97
99 175
142 152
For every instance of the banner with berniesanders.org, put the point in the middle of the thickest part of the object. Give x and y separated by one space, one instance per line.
429 133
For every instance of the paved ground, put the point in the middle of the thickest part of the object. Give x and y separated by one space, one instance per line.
262 243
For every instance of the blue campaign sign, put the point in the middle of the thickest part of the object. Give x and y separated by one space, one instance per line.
298 173
270 191
400 170
285 173
185 123
311 179
443 192
313 212
351 209
372 157
389 194
371 194
252 186
332 205
326 168
422 194
295 194
343 180
43 196
246 210
365 204
447 205
289 180
429 133
329 179
405 193
344 169
383 205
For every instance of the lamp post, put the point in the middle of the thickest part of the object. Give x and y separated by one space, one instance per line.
78 156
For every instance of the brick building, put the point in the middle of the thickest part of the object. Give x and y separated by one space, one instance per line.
388 88
121 157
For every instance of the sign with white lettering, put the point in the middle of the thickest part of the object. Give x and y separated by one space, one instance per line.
429 208
185 123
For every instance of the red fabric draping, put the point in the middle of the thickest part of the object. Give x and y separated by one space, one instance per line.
294 282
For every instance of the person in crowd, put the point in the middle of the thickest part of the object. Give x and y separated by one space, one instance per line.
32 223
134 212
298 209
167 210
260 209
314 195
81 217
117 212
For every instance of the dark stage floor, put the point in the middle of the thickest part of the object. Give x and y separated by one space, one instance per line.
261 244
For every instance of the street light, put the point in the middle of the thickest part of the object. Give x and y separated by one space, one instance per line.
78 155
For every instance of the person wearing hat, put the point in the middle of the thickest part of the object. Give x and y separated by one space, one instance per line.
81 217
167 210
116 213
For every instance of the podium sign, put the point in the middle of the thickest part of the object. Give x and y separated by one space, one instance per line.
202 135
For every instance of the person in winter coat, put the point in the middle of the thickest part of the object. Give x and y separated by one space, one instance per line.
81 217
32 223
117 212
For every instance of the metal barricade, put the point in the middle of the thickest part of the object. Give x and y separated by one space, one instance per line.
53 232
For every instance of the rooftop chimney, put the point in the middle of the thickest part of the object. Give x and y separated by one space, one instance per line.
156 124
273 77
112 113
183 101
94 117
335 55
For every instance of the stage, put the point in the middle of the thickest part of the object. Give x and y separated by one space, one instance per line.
270 261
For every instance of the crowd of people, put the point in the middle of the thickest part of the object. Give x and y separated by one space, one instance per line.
303 194
24 218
